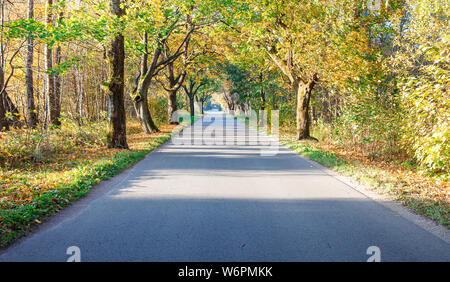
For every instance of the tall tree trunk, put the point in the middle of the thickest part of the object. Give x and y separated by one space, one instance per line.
3 121
143 113
4 124
197 100
58 77
50 96
274 102
303 91
175 82
31 108
191 106
172 106
262 94
79 90
116 56
174 85
191 95
141 100
7 104
262 97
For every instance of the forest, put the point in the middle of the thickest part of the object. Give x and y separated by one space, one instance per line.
88 87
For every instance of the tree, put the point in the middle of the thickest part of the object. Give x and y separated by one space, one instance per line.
158 26
195 48
309 41
191 92
4 125
420 59
3 120
140 100
7 106
204 94
116 84
200 75
174 80
58 75
202 98
31 108
161 59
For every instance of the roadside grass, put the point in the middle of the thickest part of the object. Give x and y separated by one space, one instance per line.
425 195
31 192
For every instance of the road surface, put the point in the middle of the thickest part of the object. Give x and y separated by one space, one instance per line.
227 202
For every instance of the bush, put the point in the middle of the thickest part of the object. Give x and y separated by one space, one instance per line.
424 82
21 146
426 122
366 124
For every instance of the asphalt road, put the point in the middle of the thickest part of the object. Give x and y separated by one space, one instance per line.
227 202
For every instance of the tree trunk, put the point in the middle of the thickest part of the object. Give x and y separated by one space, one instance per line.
7 104
80 99
303 91
140 101
201 101
143 113
172 106
116 57
50 95
31 108
58 78
175 82
262 97
187 101
262 93
3 121
4 124
191 106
